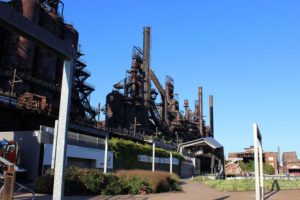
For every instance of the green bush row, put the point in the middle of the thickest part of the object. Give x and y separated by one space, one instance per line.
93 182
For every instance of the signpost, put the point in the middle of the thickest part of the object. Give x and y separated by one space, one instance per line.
258 164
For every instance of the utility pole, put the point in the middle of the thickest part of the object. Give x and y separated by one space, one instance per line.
12 83
134 126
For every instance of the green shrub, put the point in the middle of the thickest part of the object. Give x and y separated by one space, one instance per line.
44 184
158 181
113 185
93 180
269 169
136 185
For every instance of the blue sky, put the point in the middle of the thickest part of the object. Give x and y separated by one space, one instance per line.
245 53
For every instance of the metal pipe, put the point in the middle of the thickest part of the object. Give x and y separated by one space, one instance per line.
211 115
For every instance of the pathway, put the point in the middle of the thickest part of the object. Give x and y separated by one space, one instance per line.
191 191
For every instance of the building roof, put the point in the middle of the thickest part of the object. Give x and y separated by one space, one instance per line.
210 141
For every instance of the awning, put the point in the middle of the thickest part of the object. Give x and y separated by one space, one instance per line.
210 141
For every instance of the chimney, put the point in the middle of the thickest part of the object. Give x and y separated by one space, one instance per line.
186 108
146 67
200 112
211 115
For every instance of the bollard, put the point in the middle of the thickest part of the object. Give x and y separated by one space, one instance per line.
7 191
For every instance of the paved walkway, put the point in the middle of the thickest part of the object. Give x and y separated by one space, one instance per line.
191 191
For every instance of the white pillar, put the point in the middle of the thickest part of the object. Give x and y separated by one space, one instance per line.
153 156
55 132
261 170
171 162
63 123
212 163
256 168
105 153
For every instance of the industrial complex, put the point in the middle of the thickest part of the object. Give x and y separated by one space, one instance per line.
140 107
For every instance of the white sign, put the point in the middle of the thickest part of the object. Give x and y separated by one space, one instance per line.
144 158
81 152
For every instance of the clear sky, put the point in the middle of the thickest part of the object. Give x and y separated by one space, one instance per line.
245 53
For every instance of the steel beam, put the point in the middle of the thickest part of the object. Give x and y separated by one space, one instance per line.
17 23
157 83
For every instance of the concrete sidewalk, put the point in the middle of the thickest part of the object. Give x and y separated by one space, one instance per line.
192 190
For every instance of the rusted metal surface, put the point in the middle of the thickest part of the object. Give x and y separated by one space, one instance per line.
39 68
15 22
200 112
125 110
211 114
146 66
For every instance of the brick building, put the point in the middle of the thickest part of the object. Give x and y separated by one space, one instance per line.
291 164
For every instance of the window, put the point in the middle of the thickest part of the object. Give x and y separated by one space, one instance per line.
271 158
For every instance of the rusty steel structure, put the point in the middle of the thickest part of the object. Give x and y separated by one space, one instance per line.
30 76
134 104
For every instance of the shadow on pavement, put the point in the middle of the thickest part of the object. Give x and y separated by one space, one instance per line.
274 190
131 197
118 197
222 198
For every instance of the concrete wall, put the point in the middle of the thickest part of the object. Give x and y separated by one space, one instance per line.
29 143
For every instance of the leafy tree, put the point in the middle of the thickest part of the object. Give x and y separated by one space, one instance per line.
268 169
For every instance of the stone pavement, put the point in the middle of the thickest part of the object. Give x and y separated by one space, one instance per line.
191 191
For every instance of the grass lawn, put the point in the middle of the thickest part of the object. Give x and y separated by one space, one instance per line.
248 184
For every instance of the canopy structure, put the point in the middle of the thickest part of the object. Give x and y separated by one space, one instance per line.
210 141
207 155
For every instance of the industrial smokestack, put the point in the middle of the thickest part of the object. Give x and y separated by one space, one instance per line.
186 108
146 67
211 114
200 112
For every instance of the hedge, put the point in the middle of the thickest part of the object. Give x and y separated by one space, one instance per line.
93 182
126 155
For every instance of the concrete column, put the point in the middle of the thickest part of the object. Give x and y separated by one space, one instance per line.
258 163
63 123
171 162
256 168
153 156
55 132
212 164
105 153
261 175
